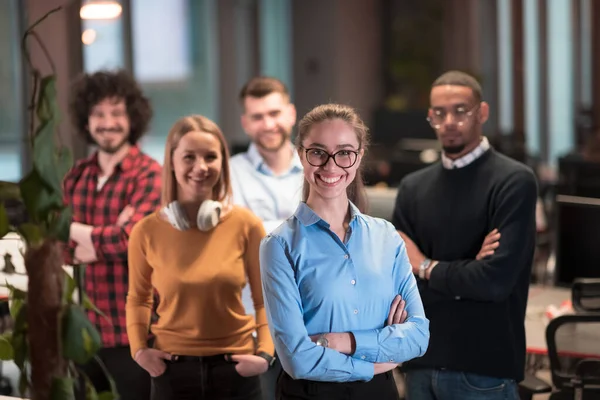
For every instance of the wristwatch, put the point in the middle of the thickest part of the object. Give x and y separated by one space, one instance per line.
268 357
322 341
423 267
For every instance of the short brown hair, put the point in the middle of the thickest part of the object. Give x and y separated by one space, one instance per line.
262 86
459 78
327 112
183 126
90 89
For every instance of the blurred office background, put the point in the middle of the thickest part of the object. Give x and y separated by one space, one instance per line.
538 62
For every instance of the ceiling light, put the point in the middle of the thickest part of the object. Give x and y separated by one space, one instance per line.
100 10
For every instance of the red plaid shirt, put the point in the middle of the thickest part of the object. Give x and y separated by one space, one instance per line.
136 181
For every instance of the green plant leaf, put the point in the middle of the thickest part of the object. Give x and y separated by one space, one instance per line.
90 390
38 196
113 394
47 106
6 348
31 233
17 299
62 389
80 338
68 289
64 162
9 191
88 305
4 226
20 350
61 226
44 155
107 396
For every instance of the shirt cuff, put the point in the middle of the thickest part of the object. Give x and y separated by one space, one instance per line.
367 345
363 371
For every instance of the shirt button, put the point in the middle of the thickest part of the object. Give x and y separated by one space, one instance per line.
353 282
346 256
362 357
355 311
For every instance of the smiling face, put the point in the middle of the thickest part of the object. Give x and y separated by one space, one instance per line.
323 141
109 125
197 164
457 118
269 120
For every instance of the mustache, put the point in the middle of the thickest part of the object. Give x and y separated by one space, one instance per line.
114 130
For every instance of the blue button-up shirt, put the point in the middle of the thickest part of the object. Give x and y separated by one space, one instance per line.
314 283
273 198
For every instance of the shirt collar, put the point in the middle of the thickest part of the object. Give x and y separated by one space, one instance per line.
259 164
125 164
467 158
308 217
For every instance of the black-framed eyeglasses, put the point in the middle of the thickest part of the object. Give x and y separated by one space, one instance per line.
460 115
319 157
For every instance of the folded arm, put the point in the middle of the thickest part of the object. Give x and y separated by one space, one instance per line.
109 242
300 357
397 342
493 278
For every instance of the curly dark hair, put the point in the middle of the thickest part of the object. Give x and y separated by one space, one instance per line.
90 89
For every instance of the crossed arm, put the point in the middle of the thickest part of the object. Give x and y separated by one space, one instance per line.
109 242
491 275
351 356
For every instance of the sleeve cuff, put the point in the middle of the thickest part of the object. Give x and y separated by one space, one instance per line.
97 240
437 279
367 345
363 371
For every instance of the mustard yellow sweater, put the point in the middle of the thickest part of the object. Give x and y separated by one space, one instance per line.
199 277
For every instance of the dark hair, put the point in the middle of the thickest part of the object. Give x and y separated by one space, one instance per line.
181 127
356 190
458 78
90 89
262 86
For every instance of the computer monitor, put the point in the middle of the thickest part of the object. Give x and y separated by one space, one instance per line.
578 233
578 177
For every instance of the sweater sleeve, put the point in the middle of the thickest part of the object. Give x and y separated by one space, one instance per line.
402 211
493 278
252 265
138 310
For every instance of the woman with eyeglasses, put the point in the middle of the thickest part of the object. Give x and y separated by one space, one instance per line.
342 302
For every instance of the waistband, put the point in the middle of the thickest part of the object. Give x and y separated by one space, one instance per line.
216 359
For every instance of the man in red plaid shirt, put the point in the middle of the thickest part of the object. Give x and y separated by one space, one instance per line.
109 192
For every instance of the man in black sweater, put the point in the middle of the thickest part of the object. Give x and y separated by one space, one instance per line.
469 227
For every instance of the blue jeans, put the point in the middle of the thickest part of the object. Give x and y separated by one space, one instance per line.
436 384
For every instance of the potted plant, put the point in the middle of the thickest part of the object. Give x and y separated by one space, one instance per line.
51 332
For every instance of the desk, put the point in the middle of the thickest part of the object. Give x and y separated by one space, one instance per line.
587 343
12 244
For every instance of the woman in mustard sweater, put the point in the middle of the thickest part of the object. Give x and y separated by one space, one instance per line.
198 252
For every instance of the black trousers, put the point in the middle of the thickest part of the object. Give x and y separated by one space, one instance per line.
132 381
204 378
268 380
381 387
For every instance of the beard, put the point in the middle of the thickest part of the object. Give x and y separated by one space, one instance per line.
111 146
273 146
457 149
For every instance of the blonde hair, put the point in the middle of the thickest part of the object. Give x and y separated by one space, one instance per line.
326 112
183 126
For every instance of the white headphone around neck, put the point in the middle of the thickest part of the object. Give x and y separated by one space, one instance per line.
208 216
